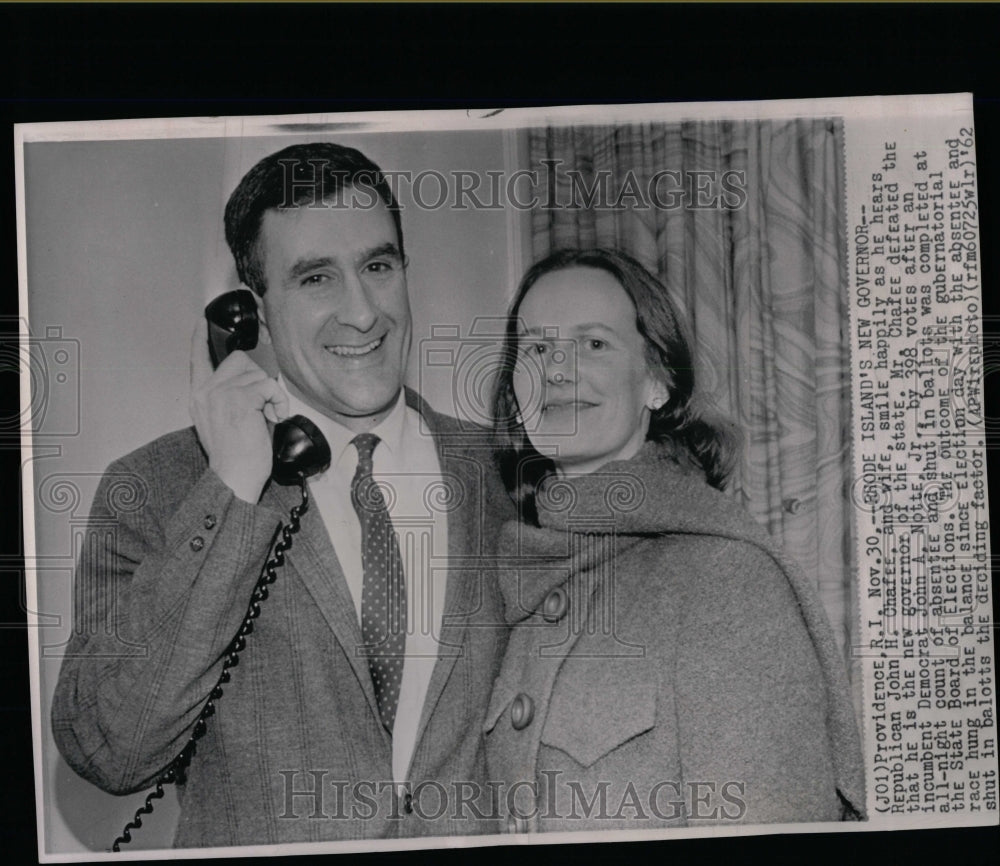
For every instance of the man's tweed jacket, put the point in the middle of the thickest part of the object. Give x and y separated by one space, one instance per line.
172 562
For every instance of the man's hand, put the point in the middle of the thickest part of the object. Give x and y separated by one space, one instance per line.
230 408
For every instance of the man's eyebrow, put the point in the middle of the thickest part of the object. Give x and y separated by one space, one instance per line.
386 249
304 266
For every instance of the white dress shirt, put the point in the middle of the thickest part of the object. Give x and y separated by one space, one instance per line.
406 466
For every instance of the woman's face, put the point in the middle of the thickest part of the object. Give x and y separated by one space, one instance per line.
581 381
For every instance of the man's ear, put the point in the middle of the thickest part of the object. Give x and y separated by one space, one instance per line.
265 334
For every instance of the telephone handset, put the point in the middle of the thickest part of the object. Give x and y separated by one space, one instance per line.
300 451
299 448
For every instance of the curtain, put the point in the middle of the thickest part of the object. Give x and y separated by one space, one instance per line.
762 279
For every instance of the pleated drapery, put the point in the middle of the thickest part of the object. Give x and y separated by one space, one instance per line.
756 261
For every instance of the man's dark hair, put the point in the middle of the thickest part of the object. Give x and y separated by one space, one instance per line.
693 432
300 175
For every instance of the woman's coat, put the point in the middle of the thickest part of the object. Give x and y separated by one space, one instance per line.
668 665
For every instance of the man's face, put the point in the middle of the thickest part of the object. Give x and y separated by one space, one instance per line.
336 306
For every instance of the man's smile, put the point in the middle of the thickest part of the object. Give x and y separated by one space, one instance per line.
355 351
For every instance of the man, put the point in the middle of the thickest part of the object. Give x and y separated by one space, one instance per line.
333 724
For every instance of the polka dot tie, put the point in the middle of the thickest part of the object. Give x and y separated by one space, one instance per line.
383 591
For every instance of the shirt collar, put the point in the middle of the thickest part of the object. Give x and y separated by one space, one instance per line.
390 430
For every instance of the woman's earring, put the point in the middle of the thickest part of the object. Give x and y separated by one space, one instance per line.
657 403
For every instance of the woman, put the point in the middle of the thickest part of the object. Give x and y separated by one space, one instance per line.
667 665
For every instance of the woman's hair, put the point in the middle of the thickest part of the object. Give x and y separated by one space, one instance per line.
680 423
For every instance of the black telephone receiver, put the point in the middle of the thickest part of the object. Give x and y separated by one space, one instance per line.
299 447
300 451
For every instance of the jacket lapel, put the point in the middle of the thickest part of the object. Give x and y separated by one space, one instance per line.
458 602
462 543
316 563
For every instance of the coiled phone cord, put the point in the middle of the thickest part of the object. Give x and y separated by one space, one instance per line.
175 771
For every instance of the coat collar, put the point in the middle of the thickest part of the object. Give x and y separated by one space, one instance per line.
587 519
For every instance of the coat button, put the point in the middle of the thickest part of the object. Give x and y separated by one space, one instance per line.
197 543
522 711
408 803
209 521
555 605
